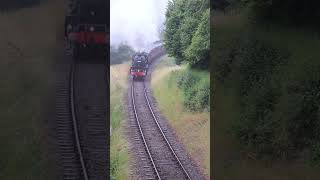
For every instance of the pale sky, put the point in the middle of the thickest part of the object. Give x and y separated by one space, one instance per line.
136 22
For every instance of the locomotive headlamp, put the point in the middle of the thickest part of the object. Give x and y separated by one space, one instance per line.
69 26
91 28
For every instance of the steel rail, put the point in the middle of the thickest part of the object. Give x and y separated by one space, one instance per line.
163 135
141 132
75 126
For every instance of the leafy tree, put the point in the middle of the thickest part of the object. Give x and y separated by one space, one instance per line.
183 19
120 54
187 30
171 36
198 51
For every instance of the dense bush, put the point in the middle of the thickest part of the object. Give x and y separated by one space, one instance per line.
257 63
120 54
225 58
6 5
259 93
304 111
315 154
186 80
279 114
196 90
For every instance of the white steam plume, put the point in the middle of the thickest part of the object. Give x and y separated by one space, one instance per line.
136 22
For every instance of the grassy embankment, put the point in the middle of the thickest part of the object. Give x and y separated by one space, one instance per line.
192 128
230 159
119 157
28 46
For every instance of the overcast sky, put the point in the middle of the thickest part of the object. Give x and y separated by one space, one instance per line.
136 22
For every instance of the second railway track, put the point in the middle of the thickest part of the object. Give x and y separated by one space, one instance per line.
81 122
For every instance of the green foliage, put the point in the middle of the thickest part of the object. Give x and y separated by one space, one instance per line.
279 115
293 12
120 54
186 27
196 90
280 108
315 154
16 4
304 107
171 35
189 26
225 58
257 62
186 80
198 51
119 157
259 93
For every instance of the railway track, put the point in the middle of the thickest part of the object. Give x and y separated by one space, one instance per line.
164 160
81 123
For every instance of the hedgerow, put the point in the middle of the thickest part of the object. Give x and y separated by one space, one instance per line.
196 90
279 107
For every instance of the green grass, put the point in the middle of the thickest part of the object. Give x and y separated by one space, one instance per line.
22 123
119 157
230 160
28 48
190 127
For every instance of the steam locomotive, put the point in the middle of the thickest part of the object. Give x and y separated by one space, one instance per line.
86 28
142 60
140 64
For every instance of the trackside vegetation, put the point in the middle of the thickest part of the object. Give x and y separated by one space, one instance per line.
187 40
267 82
28 49
187 30
119 157
195 86
120 54
185 93
185 107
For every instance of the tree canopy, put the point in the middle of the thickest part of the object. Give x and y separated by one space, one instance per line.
121 53
186 35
